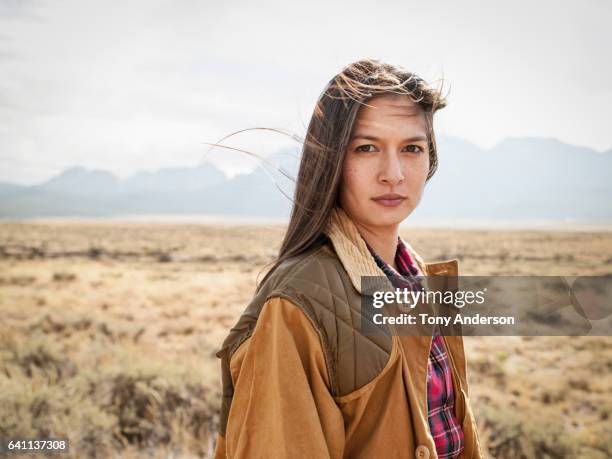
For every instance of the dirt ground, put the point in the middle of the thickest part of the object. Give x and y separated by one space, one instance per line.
108 335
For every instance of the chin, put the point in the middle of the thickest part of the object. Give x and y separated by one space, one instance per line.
387 216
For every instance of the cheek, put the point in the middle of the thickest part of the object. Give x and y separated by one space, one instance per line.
356 178
353 188
349 177
417 170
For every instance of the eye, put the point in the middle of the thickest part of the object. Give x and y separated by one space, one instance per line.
412 147
362 146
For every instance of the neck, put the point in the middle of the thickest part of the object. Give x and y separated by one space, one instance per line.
383 240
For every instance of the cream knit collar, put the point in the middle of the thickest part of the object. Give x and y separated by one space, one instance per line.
357 259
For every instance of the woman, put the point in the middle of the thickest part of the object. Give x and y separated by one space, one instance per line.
300 379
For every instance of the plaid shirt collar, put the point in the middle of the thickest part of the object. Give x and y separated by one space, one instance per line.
408 269
409 275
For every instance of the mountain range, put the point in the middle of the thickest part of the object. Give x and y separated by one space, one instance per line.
519 178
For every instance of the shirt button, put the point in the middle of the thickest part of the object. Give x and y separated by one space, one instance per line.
422 452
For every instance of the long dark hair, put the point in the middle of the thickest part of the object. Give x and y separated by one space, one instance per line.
327 137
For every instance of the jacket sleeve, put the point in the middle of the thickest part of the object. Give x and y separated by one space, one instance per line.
282 405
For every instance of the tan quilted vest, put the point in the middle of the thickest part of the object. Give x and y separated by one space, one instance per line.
325 283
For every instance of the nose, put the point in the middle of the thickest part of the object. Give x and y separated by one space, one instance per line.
391 170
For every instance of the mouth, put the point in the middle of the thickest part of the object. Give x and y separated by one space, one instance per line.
389 200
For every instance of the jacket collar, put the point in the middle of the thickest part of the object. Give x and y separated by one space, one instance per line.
357 260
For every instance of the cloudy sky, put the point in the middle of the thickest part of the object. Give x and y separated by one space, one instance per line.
129 85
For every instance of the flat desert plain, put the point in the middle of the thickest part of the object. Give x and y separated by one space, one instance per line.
109 330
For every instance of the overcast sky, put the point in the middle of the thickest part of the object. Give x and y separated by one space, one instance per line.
131 85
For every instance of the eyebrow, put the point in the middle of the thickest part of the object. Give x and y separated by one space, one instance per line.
373 137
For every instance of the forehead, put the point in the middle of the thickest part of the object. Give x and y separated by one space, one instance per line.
395 111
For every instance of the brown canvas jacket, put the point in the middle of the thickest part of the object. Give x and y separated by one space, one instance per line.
301 381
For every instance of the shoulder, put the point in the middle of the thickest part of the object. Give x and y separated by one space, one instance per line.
282 325
295 280
314 280
312 291
317 283
316 264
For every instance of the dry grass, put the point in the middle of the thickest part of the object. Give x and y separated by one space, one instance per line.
108 335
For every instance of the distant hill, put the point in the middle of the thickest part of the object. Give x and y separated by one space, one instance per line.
520 178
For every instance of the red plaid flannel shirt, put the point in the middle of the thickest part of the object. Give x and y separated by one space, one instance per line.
445 428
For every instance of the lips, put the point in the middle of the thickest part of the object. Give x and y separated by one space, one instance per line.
389 199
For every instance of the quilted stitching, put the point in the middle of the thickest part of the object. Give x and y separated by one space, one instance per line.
341 315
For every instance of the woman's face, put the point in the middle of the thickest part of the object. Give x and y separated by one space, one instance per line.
387 155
